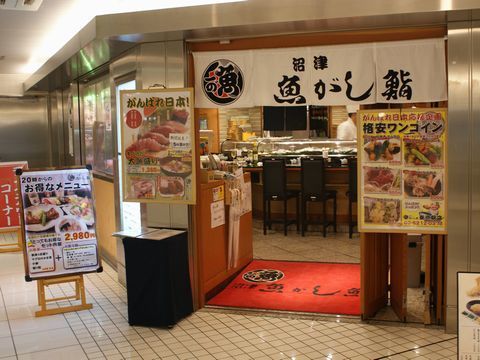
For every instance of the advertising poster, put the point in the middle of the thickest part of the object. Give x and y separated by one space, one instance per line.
59 222
158 146
468 316
402 162
9 201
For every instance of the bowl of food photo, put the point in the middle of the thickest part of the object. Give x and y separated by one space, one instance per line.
175 167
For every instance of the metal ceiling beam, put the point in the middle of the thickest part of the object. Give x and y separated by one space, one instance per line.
107 36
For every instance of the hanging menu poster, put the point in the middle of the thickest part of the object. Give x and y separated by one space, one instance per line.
402 162
58 222
468 316
158 149
9 201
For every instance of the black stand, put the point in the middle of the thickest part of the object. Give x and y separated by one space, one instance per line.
158 279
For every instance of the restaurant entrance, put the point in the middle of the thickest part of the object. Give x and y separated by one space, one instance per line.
249 138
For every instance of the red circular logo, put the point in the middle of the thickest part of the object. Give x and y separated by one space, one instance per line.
133 119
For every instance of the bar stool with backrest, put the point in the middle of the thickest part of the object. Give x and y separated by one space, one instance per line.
351 194
275 189
313 189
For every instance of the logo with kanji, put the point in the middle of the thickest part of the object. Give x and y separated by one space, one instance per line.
263 275
223 82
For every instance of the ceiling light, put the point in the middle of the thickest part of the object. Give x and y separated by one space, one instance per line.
82 12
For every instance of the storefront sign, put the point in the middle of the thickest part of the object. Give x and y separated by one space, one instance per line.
158 147
393 72
468 316
9 201
402 162
59 222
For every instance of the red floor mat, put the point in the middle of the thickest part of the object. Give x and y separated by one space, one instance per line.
295 286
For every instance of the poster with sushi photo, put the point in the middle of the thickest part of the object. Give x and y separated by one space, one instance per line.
402 170
468 315
58 222
158 146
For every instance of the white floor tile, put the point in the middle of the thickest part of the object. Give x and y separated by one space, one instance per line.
6 347
30 325
4 329
66 353
45 340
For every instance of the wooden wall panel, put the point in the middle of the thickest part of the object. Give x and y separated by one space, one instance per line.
105 213
374 273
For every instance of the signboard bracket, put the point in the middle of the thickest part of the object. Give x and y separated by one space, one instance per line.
42 284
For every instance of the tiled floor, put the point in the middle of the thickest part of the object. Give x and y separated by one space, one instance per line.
104 333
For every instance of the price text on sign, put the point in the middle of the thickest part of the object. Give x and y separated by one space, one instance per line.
79 236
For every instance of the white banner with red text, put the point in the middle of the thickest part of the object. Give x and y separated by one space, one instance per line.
391 72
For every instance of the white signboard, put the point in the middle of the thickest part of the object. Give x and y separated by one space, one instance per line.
158 146
58 222
217 213
468 316
391 72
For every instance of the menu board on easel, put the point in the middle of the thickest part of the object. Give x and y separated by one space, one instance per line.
402 170
158 146
58 222
9 205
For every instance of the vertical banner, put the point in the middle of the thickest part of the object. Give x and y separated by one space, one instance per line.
402 162
59 222
9 200
158 146
468 294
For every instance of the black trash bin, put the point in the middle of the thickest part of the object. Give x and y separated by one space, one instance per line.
158 280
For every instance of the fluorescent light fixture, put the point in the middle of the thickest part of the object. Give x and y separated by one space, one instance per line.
82 12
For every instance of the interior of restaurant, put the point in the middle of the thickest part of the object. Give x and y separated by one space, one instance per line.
245 138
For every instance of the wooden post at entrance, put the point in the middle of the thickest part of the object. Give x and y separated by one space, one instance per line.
42 284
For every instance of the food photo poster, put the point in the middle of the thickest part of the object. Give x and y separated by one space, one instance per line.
468 315
158 146
59 222
402 170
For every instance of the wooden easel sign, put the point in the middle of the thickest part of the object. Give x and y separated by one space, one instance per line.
58 224
10 232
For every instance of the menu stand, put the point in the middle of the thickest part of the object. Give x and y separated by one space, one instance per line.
79 295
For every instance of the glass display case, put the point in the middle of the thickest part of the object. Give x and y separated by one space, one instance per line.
337 151
235 149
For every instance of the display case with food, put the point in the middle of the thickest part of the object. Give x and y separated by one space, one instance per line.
337 152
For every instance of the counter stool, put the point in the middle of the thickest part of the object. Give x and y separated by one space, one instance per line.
275 189
351 193
313 189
